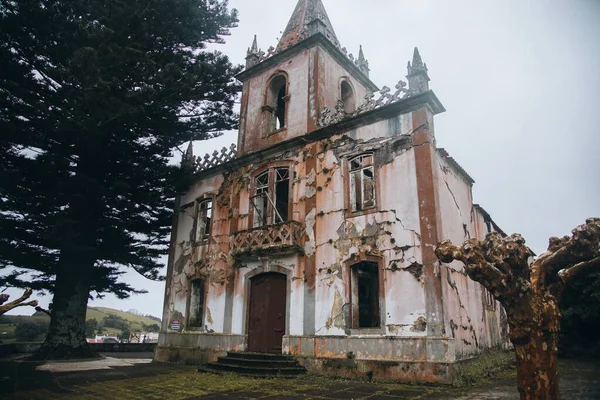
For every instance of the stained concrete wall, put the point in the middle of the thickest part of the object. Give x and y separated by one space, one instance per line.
467 319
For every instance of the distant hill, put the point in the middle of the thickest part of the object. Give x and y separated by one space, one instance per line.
135 323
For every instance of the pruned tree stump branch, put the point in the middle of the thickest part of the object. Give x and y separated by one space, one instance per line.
530 290
20 302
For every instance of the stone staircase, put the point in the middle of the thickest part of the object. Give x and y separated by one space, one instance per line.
256 365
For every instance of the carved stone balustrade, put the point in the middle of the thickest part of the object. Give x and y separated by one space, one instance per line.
210 161
272 239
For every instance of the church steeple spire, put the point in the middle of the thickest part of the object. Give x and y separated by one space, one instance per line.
309 18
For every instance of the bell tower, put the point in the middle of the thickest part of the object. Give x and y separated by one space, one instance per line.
285 87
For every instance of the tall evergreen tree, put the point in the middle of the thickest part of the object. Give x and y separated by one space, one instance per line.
94 95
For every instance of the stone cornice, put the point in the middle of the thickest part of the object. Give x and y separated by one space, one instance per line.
427 99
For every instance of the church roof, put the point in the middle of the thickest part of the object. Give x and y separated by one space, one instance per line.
306 11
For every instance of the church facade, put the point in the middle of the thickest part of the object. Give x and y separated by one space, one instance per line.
315 235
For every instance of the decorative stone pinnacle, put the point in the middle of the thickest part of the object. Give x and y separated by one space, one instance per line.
188 157
253 54
254 48
362 62
418 78
417 63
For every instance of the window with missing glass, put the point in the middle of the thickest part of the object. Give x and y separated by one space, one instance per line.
271 201
203 220
364 283
196 307
362 183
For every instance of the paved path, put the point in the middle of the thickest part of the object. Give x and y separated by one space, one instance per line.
126 379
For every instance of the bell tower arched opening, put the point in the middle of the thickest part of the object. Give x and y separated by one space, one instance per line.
347 96
276 102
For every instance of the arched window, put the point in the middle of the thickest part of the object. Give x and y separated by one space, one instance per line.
277 98
347 96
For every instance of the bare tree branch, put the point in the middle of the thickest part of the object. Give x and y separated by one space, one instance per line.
20 302
580 268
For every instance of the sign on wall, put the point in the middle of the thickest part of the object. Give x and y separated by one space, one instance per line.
175 325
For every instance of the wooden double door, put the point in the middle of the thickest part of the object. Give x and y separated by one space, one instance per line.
267 313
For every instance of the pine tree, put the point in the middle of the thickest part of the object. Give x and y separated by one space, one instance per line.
94 95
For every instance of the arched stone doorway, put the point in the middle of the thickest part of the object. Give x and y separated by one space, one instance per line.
267 312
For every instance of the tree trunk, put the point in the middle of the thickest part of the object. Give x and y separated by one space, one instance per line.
537 367
66 335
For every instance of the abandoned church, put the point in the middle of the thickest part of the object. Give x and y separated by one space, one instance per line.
314 237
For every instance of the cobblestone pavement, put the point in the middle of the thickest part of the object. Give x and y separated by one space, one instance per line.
139 380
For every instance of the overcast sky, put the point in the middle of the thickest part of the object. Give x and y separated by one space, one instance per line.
520 80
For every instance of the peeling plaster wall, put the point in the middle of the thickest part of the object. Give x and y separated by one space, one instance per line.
187 254
297 70
473 326
392 232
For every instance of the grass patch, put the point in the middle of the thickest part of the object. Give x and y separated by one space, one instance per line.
488 365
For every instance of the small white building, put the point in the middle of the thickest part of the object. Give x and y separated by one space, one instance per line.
316 236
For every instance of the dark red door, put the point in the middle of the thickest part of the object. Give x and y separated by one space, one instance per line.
266 322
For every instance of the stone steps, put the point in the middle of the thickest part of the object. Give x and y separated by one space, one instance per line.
255 364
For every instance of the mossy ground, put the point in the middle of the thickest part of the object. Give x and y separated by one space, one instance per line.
187 383
176 382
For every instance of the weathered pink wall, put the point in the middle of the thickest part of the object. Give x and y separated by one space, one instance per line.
473 326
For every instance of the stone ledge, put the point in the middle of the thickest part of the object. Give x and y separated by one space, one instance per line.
372 348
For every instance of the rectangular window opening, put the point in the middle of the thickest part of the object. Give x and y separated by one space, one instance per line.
362 183
272 197
282 194
203 220
197 303
365 291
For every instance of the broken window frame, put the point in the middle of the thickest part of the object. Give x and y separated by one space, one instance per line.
372 266
196 303
359 167
203 219
267 207
276 103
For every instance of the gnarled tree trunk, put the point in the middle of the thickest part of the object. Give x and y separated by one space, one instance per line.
530 290
66 334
